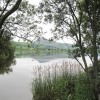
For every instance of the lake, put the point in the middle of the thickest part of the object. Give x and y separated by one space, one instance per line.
16 78
15 84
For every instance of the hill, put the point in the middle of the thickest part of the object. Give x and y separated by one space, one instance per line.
43 44
51 44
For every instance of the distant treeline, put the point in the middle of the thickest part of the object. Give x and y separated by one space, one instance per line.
36 46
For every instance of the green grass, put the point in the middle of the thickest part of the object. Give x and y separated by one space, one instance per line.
61 82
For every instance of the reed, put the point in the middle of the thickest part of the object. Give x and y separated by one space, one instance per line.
59 81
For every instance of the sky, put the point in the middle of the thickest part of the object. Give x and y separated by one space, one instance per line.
47 27
35 2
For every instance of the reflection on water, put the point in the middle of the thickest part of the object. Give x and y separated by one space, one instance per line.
42 56
5 65
17 85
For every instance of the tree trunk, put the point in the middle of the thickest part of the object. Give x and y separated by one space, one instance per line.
8 13
99 97
96 95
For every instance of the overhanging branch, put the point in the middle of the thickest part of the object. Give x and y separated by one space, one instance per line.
7 14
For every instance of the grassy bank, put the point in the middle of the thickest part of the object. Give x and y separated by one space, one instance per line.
65 81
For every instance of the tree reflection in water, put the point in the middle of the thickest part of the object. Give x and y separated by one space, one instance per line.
5 65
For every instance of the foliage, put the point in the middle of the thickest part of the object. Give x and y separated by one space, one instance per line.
17 20
59 86
42 44
7 49
83 89
80 21
5 65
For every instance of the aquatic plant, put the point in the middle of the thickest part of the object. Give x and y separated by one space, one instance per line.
60 81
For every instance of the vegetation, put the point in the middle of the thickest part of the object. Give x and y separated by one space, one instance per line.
12 12
7 49
42 44
80 21
5 65
64 82
14 22
15 19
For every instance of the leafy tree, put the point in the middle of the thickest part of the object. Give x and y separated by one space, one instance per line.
79 20
17 18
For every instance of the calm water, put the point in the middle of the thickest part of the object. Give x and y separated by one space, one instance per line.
15 80
16 85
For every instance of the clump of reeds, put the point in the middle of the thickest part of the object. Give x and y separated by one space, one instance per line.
56 81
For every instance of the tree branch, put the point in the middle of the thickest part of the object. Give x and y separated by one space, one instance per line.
12 10
5 7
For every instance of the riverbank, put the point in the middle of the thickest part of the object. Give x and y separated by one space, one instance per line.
60 79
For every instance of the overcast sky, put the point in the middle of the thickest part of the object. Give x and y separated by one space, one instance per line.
35 2
47 27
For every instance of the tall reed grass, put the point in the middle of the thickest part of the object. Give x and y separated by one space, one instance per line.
60 81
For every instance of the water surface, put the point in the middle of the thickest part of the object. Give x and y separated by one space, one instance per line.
16 85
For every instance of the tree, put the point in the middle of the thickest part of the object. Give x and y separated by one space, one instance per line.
17 19
79 20
6 49
4 13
